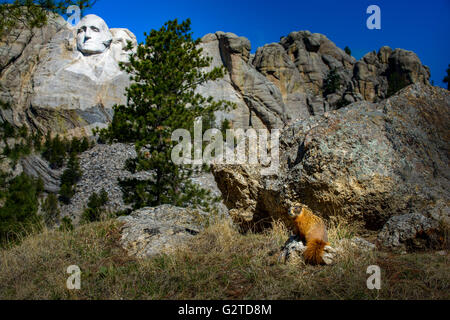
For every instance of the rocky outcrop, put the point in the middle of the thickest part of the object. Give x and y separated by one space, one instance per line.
103 166
36 167
370 161
55 82
284 82
376 74
151 231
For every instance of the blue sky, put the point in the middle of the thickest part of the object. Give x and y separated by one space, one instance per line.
419 26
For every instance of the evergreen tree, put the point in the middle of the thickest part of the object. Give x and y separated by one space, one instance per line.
51 210
94 210
447 78
332 82
166 70
69 178
348 51
18 215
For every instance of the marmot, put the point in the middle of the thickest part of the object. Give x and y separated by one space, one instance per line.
312 230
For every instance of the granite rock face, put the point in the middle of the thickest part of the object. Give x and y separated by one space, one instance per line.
36 167
54 84
284 82
151 231
102 167
64 88
369 161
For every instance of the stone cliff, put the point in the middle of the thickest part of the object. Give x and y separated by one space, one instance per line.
52 83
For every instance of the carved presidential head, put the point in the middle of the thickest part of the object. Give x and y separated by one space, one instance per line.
120 44
93 35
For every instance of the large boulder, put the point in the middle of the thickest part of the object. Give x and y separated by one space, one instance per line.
151 231
370 161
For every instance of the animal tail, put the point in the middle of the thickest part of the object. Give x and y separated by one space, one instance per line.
314 251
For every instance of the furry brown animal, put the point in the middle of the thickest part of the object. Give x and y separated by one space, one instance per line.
312 230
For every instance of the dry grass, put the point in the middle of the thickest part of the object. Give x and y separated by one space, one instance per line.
220 263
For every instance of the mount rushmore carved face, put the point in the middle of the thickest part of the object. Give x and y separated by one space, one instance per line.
93 35
120 44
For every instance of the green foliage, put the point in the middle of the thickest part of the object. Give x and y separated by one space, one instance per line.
95 207
24 143
27 15
55 150
33 13
447 78
50 210
332 82
69 179
165 71
395 83
348 51
18 215
66 224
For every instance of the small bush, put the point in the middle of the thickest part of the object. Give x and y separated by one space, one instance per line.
50 210
332 83
348 51
66 224
95 207
19 212
69 178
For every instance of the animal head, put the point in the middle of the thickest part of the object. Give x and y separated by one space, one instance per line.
295 211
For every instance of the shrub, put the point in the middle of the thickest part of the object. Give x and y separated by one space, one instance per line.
348 51
19 212
95 207
332 82
50 210
66 224
69 178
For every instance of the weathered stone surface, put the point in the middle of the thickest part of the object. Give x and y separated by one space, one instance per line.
293 74
102 167
373 71
404 231
20 54
73 91
64 88
54 84
261 96
368 161
150 231
37 167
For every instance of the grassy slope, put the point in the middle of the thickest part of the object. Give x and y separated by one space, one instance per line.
218 264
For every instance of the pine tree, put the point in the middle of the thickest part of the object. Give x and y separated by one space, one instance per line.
51 210
95 207
332 82
166 70
69 178
18 214
447 78
348 51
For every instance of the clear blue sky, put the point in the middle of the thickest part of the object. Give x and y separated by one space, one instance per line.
420 26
